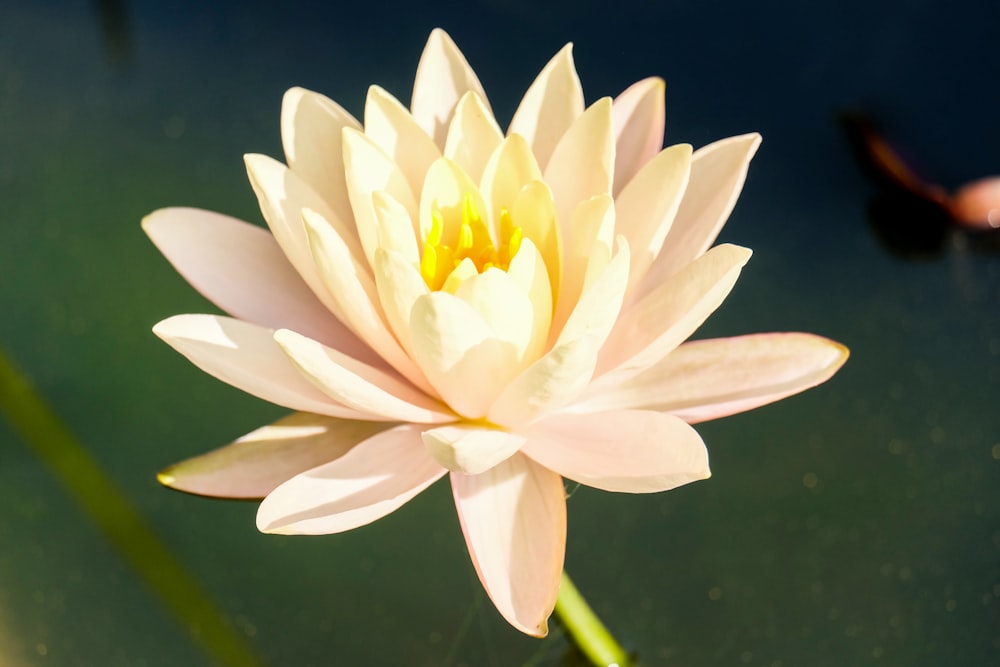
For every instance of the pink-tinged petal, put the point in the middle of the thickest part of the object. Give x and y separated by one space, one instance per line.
254 465
358 385
708 379
311 127
718 172
513 517
373 479
646 208
443 76
473 135
239 267
628 451
370 169
470 449
549 107
639 114
562 373
245 356
352 293
390 125
650 329
459 353
582 163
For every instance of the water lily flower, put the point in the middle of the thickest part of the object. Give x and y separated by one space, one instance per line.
438 297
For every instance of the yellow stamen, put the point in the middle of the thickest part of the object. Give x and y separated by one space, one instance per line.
428 263
465 239
514 244
472 242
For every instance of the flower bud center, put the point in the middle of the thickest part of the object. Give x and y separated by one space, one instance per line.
459 244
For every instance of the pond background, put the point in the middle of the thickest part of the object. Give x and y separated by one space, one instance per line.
858 523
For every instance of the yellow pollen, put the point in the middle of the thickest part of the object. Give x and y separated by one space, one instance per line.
470 239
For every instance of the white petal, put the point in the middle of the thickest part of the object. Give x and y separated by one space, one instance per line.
639 116
645 210
396 231
505 308
370 169
549 107
629 451
562 373
587 255
357 385
459 353
311 126
528 271
708 379
391 127
470 449
473 135
718 172
399 285
443 76
513 517
510 168
240 268
257 463
373 479
650 329
534 211
245 356
282 194
582 163
352 293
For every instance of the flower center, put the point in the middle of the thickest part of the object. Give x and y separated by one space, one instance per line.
459 244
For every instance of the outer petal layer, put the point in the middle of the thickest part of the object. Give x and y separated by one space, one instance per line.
708 379
631 451
240 268
373 479
257 463
514 520
358 385
718 172
639 114
245 356
648 330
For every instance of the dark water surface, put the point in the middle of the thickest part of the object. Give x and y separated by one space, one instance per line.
856 524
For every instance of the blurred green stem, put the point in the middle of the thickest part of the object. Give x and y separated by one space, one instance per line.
587 631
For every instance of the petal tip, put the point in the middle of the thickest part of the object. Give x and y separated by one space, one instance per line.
541 630
150 220
166 477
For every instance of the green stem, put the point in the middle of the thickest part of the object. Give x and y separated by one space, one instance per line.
582 624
